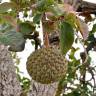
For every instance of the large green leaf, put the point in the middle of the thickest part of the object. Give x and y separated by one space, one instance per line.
14 39
66 36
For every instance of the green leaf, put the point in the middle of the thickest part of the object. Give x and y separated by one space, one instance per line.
17 61
66 36
56 10
37 18
14 39
4 7
26 28
43 5
19 77
71 19
93 29
17 69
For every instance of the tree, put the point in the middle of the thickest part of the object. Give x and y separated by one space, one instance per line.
62 26
9 84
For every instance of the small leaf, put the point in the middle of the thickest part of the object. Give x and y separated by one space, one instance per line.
17 69
25 14
43 5
40 4
17 61
93 29
33 42
71 19
49 26
26 28
37 18
56 10
83 28
66 36
19 77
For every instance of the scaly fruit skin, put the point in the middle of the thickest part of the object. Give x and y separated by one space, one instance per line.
46 65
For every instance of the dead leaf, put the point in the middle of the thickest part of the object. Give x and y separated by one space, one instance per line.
83 28
50 26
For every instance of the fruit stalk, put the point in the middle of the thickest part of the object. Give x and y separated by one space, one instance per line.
45 34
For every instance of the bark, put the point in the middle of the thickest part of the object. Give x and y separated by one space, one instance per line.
88 5
37 89
9 85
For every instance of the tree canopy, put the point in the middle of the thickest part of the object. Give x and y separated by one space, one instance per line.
64 23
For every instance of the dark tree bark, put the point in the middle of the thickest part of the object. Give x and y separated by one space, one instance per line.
9 84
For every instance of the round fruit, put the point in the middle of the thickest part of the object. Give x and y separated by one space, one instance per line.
46 65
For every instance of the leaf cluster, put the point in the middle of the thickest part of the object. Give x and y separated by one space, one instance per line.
54 16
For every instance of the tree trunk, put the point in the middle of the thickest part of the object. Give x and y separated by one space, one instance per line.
37 89
9 85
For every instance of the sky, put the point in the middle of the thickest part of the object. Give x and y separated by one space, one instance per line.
92 1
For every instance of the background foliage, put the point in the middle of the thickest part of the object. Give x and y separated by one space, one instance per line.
55 16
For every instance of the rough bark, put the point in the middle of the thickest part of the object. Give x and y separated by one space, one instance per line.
37 89
9 85
88 5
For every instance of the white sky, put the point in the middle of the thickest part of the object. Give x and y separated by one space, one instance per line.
92 1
